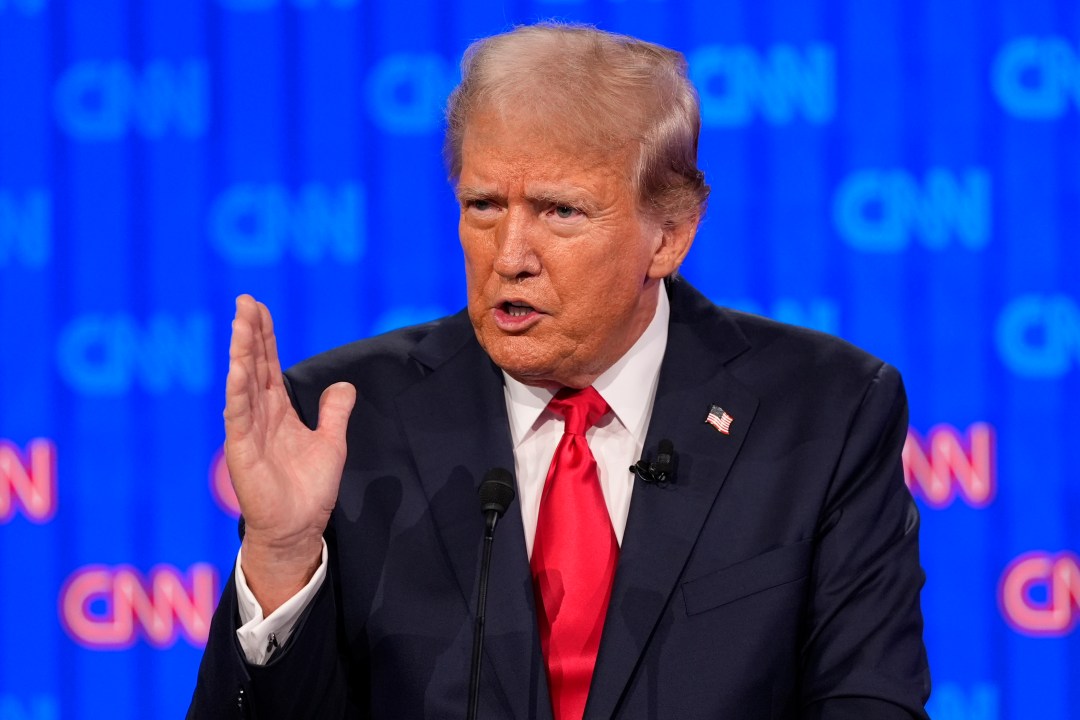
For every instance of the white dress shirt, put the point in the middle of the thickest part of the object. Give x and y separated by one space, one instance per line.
616 441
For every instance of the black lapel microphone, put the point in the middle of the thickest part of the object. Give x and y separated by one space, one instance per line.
662 470
496 494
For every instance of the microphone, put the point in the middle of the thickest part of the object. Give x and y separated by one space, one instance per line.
496 493
662 470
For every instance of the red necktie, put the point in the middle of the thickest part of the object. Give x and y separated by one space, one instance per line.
574 557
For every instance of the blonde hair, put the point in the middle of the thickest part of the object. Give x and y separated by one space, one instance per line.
607 91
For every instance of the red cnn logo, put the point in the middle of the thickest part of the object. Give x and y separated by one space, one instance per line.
28 480
1040 593
946 464
221 485
109 608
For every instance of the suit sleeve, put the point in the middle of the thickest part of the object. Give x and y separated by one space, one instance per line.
307 678
863 655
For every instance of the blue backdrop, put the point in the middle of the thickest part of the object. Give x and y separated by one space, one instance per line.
902 173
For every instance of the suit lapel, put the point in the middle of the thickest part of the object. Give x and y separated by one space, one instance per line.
664 522
456 423
455 420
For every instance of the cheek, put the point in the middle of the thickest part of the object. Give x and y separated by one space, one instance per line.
609 269
478 260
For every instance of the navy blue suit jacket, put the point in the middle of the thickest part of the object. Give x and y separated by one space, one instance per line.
777 577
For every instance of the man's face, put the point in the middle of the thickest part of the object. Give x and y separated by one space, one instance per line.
563 270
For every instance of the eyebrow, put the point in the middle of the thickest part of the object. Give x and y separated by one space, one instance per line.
573 196
466 193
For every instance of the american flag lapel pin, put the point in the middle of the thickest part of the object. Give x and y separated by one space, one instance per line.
719 419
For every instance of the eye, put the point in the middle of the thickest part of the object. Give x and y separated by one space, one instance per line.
479 205
565 211
565 217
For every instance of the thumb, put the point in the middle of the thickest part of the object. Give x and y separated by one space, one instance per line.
335 406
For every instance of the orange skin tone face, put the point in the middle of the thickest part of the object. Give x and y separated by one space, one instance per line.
563 269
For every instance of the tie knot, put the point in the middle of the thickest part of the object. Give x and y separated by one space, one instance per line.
580 409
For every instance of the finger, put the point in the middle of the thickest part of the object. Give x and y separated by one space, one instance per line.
335 407
241 350
240 344
244 326
262 371
273 362
238 413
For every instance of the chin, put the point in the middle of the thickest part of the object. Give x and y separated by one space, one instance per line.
517 356
515 359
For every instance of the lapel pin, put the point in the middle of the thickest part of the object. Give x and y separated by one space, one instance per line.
719 419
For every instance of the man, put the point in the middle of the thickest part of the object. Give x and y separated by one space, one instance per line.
774 575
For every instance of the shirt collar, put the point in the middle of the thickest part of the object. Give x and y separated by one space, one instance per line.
628 386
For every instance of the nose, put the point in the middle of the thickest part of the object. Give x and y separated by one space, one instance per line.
516 257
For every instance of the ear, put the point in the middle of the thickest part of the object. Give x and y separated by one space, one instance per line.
675 242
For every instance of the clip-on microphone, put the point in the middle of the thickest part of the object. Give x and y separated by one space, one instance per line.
662 470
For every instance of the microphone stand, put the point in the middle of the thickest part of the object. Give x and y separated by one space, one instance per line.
481 611
496 493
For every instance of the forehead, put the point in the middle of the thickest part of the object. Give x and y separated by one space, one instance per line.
504 147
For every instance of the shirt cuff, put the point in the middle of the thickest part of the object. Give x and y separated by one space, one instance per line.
260 636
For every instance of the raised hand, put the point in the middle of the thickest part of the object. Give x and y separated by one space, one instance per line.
286 476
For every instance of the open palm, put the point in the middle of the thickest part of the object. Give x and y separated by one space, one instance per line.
286 475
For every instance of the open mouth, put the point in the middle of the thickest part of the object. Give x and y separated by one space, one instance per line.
515 316
517 310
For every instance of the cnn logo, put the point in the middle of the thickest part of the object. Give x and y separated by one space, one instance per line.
111 608
28 480
1040 593
946 464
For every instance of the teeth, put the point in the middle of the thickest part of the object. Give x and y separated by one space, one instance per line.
517 310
